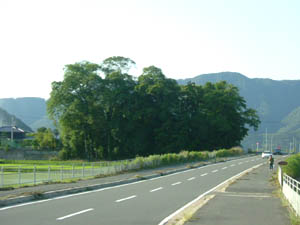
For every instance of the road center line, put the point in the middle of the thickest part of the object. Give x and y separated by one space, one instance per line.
204 174
192 178
124 199
156 189
214 171
224 168
74 214
176 183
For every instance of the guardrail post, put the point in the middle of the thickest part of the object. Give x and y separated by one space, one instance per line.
62 173
19 175
34 175
73 171
92 169
49 173
2 177
83 170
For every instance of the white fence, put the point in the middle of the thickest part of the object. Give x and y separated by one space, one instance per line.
291 190
22 175
11 176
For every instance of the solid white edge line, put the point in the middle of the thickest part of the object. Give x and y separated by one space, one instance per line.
107 188
74 214
164 221
156 189
124 199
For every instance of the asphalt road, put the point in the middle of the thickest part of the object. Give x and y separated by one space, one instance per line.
146 202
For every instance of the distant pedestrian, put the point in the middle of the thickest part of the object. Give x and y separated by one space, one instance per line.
271 162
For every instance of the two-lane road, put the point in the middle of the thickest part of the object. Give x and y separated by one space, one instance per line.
145 202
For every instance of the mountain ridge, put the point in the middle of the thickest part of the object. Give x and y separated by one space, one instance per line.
274 100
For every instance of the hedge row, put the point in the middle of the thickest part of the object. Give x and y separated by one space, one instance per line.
293 167
183 157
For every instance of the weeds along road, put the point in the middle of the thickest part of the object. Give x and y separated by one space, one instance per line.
146 202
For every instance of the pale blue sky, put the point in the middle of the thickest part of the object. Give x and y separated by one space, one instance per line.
185 38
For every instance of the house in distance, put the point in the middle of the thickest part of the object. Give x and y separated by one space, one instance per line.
12 132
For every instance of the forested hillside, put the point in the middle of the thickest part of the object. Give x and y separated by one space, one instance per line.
30 110
277 103
7 119
274 101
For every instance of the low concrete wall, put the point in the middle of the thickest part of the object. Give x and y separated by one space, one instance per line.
22 154
291 191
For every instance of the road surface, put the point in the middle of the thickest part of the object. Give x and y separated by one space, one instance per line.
147 202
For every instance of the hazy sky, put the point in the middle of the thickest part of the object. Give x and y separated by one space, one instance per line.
185 38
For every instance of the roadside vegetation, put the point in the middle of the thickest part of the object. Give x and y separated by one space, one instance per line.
16 173
151 161
293 167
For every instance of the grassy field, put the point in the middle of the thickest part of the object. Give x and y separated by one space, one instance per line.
30 172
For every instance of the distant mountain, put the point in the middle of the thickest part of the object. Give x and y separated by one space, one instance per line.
277 103
7 119
31 110
274 100
291 122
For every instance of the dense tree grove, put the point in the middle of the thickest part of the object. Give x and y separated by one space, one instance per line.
119 116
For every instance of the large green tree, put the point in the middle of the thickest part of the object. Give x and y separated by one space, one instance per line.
119 117
75 103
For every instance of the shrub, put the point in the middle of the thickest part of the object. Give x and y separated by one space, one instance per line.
63 154
139 161
229 152
293 167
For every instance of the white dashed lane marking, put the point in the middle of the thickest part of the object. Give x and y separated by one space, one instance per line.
74 214
124 199
204 174
156 189
176 183
214 171
192 178
224 168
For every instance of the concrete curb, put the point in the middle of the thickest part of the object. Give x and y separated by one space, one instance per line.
57 193
179 217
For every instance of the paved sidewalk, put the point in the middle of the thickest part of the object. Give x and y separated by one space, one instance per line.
250 200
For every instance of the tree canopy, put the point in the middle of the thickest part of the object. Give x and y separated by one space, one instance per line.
120 117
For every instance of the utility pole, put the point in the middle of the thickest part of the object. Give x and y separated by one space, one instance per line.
294 145
271 143
12 130
266 139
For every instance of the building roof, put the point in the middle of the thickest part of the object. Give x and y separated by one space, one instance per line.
7 129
